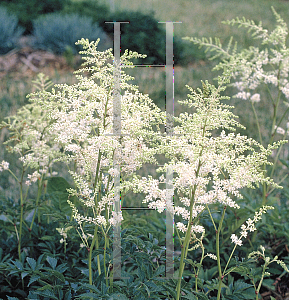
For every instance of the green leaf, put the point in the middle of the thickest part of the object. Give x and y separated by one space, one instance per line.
201 296
47 238
57 190
242 270
61 268
241 285
52 261
5 219
32 263
24 274
190 297
57 274
118 296
160 270
284 162
47 293
91 287
120 283
33 279
68 296
18 264
89 296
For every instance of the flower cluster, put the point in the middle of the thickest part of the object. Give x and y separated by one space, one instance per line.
207 168
250 69
261 254
63 233
83 119
4 166
250 225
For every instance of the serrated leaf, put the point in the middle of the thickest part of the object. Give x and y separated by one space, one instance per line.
160 270
31 262
118 296
242 270
5 219
241 285
18 264
68 296
57 274
190 297
57 190
84 271
45 287
24 274
33 278
52 261
120 283
47 238
91 288
61 268
201 296
47 293
89 296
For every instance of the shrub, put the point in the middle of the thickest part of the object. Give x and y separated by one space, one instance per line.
28 10
58 33
89 8
9 31
144 35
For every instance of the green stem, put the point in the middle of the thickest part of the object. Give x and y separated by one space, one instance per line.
218 253
229 260
98 260
261 280
201 261
21 213
104 255
182 264
36 204
185 245
94 240
258 125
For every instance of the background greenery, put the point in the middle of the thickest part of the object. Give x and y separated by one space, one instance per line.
199 18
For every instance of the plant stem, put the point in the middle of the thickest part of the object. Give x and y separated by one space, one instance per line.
230 258
258 125
97 257
94 240
218 253
36 204
185 245
182 264
21 213
104 254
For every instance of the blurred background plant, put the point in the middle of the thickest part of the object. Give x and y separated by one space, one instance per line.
10 31
59 33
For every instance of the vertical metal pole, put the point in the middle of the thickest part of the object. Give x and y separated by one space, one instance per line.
116 163
169 132
117 132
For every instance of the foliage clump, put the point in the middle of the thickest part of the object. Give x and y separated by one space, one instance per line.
9 30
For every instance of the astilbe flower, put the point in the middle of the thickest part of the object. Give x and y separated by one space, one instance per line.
249 67
265 66
4 165
82 122
209 168
250 225
30 140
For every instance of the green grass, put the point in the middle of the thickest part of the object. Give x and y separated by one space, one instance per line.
203 18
